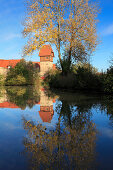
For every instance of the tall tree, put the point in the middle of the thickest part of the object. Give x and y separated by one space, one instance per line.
68 24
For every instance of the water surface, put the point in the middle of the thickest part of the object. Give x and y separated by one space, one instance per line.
46 130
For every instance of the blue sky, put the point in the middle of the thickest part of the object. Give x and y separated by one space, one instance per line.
12 14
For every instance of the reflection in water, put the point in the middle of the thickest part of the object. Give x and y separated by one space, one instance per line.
108 106
69 145
59 149
72 144
8 105
18 97
72 141
23 96
46 107
4 102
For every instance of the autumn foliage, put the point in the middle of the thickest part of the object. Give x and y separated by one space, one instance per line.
70 25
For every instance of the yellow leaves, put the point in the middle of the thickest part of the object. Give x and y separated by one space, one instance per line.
48 21
47 148
47 5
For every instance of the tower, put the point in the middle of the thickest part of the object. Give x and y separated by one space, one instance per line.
46 59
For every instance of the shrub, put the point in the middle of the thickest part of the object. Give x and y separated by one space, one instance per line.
18 80
84 78
108 81
57 80
51 78
24 73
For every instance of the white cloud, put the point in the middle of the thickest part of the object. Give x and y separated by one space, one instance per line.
108 30
11 36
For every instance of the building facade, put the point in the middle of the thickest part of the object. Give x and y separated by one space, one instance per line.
46 55
46 59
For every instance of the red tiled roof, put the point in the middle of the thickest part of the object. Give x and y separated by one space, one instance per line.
6 63
8 105
46 50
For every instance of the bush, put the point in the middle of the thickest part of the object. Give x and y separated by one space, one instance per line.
61 81
51 78
24 73
18 80
84 78
108 81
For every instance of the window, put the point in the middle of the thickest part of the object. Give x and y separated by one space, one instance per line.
8 67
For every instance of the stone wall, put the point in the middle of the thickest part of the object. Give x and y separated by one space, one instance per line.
45 66
3 71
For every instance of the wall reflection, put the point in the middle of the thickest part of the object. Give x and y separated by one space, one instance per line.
46 106
4 102
22 97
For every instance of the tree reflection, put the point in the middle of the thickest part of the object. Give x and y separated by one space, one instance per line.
75 112
23 96
107 104
72 145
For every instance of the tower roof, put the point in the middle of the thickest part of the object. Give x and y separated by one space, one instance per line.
46 50
46 116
